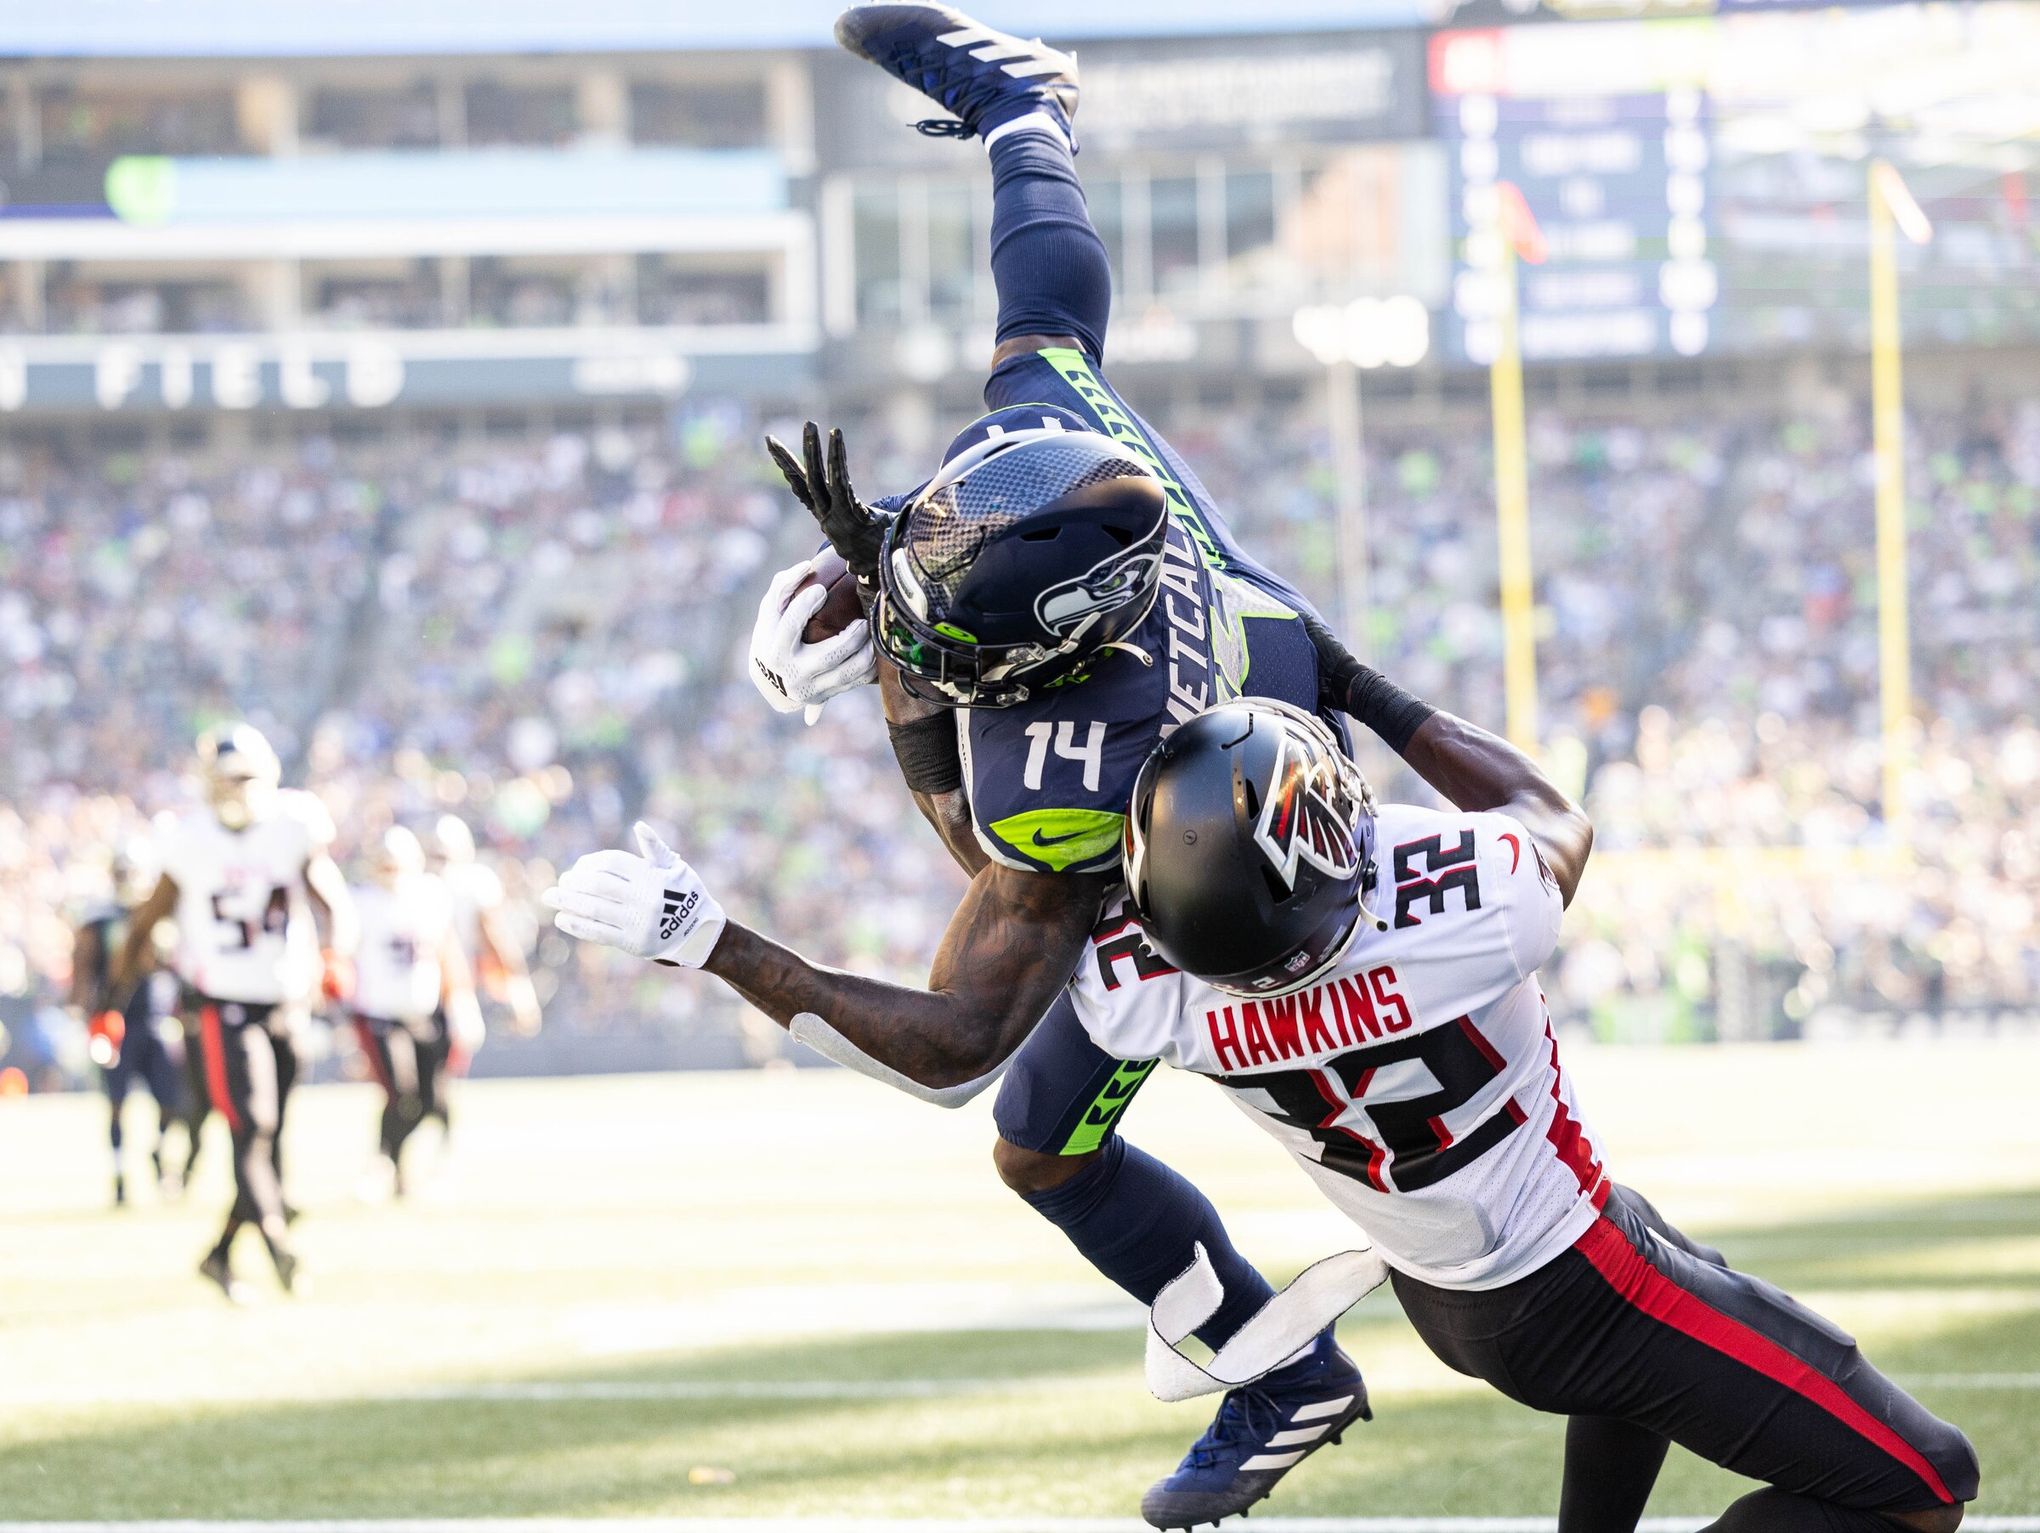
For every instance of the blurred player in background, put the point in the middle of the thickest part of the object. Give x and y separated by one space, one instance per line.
132 1036
492 942
414 998
253 887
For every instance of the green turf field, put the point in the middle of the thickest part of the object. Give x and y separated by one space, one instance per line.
795 1294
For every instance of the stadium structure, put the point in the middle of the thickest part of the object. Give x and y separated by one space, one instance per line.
367 244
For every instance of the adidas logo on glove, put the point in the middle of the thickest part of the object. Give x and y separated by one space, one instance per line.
679 907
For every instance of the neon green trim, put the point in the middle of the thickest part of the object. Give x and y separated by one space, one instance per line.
1061 838
1104 1112
1076 371
952 631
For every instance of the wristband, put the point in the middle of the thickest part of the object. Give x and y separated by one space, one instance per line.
927 752
1386 708
1363 692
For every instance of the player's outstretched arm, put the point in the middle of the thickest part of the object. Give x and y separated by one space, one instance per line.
141 931
1010 946
1476 770
1470 767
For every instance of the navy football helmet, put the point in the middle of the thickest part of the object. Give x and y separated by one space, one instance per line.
1037 545
1250 848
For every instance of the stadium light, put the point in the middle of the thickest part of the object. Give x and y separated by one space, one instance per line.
1368 332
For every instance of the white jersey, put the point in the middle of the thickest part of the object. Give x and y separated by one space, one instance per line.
1418 1083
403 928
473 889
244 921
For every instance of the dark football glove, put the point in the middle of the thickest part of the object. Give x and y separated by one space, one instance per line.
1337 666
1351 686
853 529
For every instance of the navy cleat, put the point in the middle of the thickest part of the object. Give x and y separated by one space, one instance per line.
986 78
1262 1431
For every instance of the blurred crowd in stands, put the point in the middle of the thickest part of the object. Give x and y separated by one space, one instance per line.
547 638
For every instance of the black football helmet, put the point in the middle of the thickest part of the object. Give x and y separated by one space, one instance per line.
1250 848
1037 545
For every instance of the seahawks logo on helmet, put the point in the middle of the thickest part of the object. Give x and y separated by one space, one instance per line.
1300 822
1106 586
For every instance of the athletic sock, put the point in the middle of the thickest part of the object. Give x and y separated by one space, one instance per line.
1138 1222
1051 270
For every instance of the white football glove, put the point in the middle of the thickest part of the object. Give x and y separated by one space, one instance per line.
651 905
795 675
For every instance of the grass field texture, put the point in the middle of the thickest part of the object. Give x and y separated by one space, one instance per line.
796 1294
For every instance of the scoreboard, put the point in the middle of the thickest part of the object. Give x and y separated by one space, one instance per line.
1700 182
1616 179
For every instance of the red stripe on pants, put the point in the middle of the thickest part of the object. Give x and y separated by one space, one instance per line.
213 1038
1637 1281
364 1035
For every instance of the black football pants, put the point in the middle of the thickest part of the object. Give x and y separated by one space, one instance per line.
248 1065
1643 1337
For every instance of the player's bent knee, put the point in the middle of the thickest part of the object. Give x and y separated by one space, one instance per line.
1032 1171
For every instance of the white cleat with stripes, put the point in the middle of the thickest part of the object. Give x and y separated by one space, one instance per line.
1262 1431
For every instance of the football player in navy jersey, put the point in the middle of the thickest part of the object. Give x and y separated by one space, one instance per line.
1055 599
135 1040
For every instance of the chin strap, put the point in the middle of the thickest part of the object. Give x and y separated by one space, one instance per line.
1279 1330
811 1030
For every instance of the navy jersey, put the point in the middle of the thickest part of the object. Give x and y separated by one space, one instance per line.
1050 779
107 928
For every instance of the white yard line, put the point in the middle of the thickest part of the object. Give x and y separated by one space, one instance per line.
569 1391
624 1391
598 1391
893 1525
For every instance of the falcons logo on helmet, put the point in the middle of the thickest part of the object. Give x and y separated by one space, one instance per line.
1300 822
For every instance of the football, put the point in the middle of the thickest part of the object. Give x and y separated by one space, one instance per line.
841 607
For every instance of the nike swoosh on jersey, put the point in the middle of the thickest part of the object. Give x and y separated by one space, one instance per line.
1041 840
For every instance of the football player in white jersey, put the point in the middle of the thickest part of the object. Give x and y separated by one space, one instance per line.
250 883
494 947
481 923
412 987
1364 982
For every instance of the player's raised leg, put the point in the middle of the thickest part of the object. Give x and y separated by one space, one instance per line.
1019 98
